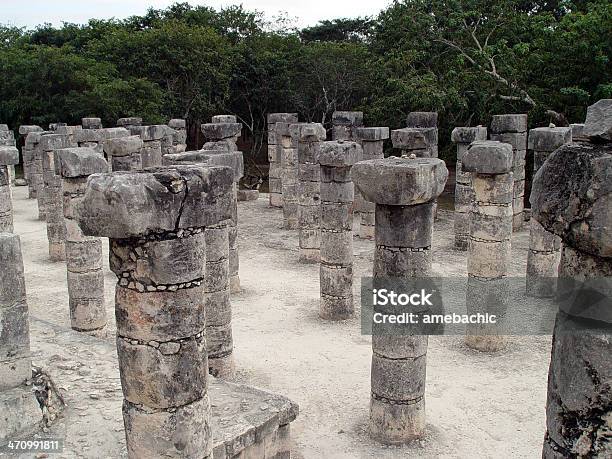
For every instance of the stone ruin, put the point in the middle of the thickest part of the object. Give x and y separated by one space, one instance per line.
171 218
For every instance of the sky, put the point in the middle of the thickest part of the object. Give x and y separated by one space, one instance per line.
28 13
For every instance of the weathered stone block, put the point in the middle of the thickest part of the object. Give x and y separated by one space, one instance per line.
123 205
509 123
78 162
123 146
9 155
400 181
372 134
488 157
598 123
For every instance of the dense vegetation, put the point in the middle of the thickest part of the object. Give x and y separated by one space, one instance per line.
467 59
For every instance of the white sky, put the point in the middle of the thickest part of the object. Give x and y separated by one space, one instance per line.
308 12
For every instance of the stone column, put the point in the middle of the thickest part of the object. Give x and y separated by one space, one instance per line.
175 140
345 125
95 138
490 164
83 254
20 410
91 123
155 221
235 161
129 122
574 185
308 137
219 340
222 133
28 158
372 141
7 139
287 148
52 195
275 153
404 191
421 142
512 129
33 141
125 153
544 248
337 194
428 122
151 153
70 131
464 193
9 156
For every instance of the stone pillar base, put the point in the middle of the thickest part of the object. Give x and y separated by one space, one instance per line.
336 308
57 251
276 200
291 224
518 221
366 231
222 367
310 255
21 414
395 424
235 284
248 195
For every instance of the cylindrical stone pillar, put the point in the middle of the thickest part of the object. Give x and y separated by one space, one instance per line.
233 159
464 193
9 156
35 179
15 364
337 194
151 152
28 157
345 125
308 137
52 195
404 191
274 155
21 413
544 248
287 148
7 139
219 340
155 221
574 185
124 153
372 141
490 164
83 254
512 129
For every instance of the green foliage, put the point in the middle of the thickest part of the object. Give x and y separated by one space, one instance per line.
467 59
